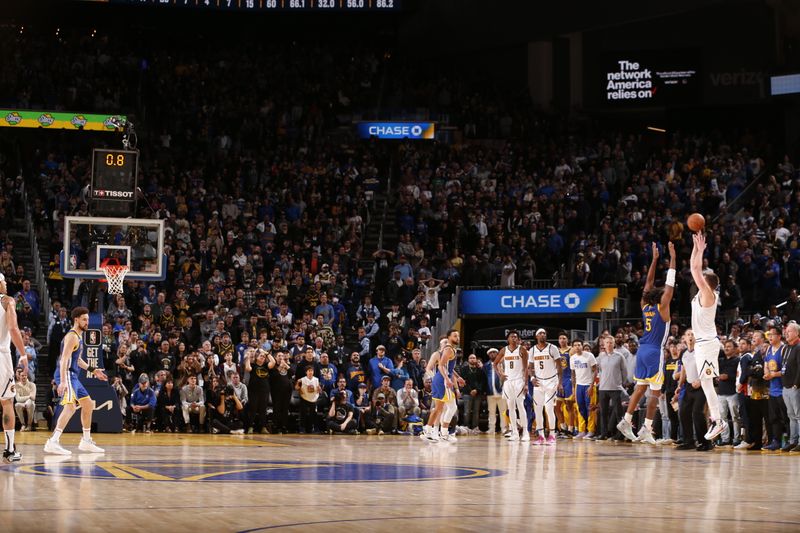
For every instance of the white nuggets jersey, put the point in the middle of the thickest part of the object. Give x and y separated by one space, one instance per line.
705 329
546 362
512 364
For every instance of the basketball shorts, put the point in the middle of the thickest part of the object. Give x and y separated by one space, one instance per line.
513 388
566 395
75 389
545 391
7 391
706 356
438 389
648 366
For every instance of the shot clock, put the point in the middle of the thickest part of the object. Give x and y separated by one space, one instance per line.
114 177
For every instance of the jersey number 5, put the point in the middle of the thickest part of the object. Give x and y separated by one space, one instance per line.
648 324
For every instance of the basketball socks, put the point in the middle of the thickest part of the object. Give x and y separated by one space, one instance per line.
56 435
87 434
9 440
648 423
711 398
629 417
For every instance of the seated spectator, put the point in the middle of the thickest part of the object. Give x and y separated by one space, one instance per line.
143 405
168 407
24 400
229 413
340 416
193 403
408 400
380 417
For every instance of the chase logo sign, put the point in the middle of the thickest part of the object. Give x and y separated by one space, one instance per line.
397 130
549 301
248 471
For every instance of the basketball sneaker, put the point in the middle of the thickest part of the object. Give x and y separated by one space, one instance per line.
538 440
717 427
54 447
448 438
526 437
514 437
431 435
645 435
551 440
11 457
581 435
88 445
626 429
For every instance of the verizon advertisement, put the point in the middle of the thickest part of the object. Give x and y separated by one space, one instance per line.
638 79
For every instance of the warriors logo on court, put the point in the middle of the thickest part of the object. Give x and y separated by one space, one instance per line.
253 471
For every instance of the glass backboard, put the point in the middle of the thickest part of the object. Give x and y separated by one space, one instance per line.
135 242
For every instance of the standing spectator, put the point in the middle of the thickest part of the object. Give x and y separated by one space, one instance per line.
25 400
122 395
309 389
400 373
583 367
143 405
494 394
258 364
729 401
168 407
380 366
613 376
756 391
670 423
791 384
692 401
773 364
280 383
475 389
193 402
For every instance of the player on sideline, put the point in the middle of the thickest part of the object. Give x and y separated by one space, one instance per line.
656 317
514 359
70 388
442 386
707 345
565 401
9 331
545 370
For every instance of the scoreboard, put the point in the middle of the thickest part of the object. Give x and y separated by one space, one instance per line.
114 180
272 5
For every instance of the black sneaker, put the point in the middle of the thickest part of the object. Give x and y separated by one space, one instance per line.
705 447
789 447
11 457
686 446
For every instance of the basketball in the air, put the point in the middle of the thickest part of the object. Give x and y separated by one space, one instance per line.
696 222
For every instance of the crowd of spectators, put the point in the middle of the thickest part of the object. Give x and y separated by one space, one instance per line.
266 204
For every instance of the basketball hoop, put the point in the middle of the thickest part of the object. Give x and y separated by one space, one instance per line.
115 274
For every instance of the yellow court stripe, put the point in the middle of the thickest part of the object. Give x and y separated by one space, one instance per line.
122 471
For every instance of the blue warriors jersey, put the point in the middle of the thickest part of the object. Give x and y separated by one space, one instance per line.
656 330
451 365
566 374
77 353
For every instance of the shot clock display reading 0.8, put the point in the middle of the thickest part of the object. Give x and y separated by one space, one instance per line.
115 160
114 175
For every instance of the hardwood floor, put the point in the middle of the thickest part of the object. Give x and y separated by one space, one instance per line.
388 483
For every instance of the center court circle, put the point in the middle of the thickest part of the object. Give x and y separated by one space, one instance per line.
253 471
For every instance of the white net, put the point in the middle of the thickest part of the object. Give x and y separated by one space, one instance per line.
115 274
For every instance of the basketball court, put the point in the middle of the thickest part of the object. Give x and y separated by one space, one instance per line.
370 483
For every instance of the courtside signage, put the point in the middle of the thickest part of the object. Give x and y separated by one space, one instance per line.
549 301
397 130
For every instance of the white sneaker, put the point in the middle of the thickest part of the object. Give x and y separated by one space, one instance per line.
646 436
448 438
514 437
744 445
664 442
23 428
626 429
716 428
526 437
88 445
54 447
424 433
